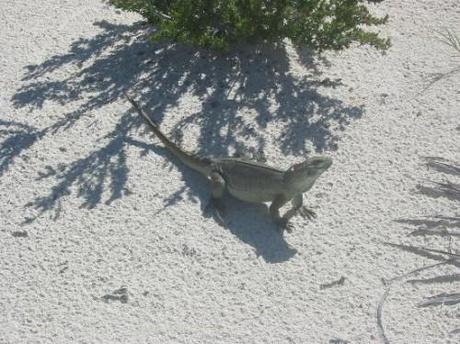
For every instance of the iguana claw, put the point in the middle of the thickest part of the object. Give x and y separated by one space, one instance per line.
308 213
283 224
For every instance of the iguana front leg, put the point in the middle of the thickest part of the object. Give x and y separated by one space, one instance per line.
297 203
277 203
217 192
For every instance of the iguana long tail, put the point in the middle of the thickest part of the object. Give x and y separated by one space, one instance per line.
201 165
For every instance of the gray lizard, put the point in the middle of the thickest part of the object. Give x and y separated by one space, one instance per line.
248 180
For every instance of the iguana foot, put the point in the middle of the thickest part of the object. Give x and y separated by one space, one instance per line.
308 213
283 224
218 207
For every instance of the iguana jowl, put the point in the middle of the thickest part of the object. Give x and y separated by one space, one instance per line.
251 181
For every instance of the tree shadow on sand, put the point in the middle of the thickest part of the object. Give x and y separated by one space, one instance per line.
120 59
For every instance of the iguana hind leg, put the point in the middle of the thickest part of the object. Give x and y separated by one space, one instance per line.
217 192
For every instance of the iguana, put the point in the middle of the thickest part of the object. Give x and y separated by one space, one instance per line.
248 180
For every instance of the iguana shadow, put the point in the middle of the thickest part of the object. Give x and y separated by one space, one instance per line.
252 224
238 98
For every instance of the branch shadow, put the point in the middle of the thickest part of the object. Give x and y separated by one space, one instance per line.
240 95
434 225
18 138
444 258
438 279
439 256
439 225
90 173
447 190
442 165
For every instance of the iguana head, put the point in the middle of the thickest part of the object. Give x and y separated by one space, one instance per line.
302 176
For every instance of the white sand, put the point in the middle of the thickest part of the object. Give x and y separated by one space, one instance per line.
105 207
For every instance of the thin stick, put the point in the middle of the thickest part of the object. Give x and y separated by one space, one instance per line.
379 317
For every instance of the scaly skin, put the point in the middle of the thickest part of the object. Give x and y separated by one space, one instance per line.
251 181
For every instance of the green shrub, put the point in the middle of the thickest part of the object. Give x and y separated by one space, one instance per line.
319 24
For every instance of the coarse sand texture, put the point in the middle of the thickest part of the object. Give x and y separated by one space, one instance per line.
103 237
